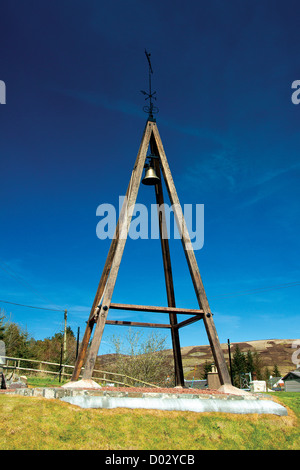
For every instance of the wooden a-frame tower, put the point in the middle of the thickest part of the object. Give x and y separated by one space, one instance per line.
103 299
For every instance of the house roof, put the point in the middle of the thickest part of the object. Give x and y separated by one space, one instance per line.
295 372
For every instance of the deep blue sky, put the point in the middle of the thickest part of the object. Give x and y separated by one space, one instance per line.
70 133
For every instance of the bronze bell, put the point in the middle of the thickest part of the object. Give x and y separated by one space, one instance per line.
150 178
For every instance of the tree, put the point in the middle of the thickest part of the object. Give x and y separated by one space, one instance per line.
257 366
206 369
142 358
239 365
49 349
276 372
266 374
19 344
249 362
2 327
16 340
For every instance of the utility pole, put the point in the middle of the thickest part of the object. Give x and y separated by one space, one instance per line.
64 356
65 337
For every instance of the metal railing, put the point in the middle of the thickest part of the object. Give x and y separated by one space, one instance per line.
107 376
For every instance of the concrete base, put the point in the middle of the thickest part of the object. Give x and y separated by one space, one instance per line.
232 405
92 397
227 388
82 384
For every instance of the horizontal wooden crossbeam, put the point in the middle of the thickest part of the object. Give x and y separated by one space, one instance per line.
197 315
149 308
134 323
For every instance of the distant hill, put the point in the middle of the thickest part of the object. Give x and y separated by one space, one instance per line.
271 351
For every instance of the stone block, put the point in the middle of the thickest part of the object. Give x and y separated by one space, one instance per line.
49 392
94 393
152 395
186 395
37 392
60 393
135 394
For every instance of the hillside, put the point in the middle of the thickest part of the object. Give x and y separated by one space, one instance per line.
271 352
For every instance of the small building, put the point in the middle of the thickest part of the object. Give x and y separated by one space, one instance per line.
257 386
292 381
276 384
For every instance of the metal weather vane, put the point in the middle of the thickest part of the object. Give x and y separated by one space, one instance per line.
151 109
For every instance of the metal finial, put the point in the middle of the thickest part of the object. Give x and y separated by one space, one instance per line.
150 109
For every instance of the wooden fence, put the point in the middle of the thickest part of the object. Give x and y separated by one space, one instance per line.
14 364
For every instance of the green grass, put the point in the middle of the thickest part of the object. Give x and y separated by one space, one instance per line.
45 381
289 399
28 423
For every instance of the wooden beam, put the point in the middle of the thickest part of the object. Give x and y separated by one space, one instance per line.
99 293
154 309
91 321
178 367
125 219
133 323
189 321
